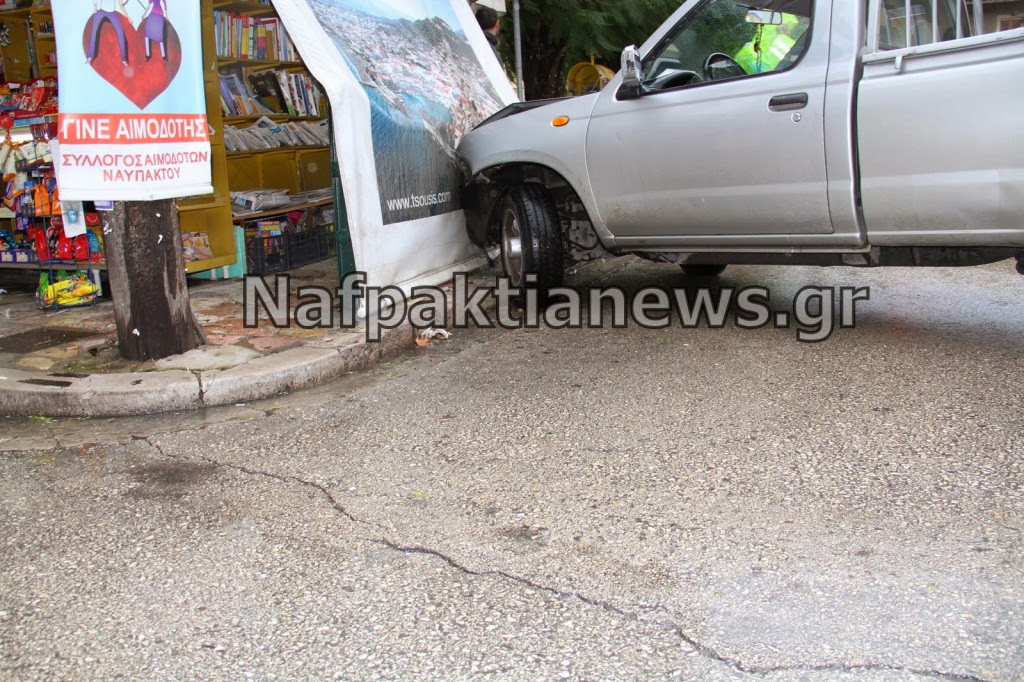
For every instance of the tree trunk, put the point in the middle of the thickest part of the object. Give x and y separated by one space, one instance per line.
147 281
543 66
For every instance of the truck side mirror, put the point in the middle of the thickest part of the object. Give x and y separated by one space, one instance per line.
631 71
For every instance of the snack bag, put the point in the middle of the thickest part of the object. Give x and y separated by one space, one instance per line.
80 247
67 290
64 247
38 237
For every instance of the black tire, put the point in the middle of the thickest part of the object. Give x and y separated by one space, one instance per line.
528 214
703 270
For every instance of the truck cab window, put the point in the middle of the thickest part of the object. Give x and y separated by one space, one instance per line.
924 27
726 39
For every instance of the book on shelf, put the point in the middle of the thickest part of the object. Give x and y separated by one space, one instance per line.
288 89
311 93
302 95
239 99
236 93
267 89
241 36
297 93
269 228
228 104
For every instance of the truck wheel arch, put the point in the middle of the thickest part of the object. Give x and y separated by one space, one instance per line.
485 193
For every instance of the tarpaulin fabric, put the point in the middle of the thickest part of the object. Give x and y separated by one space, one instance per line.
405 79
497 5
132 122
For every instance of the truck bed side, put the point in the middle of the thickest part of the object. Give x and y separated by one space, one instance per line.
941 142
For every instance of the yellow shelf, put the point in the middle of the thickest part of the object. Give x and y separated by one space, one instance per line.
238 61
209 264
244 216
244 152
200 203
56 265
273 117
243 7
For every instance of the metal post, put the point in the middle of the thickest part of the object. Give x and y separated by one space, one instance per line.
343 237
906 25
874 25
519 49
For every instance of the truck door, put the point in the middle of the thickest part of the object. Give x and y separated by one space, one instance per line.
727 137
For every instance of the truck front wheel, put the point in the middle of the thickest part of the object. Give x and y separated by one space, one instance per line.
531 239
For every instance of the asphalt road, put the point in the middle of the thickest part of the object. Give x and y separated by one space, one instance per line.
541 504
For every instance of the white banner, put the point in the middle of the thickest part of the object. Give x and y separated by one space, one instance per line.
132 122
406 79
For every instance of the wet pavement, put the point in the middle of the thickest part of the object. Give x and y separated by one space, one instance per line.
30 337
544 504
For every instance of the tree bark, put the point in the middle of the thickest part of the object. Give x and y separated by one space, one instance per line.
543 68
147 281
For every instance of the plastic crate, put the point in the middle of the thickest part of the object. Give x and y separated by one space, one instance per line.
303 248
325 240
265 254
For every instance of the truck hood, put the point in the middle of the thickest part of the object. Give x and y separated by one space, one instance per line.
524 133
517 108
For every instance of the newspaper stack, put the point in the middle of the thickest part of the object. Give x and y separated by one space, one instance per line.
255 200
269 134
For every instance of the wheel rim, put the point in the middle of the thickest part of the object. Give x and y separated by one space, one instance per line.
511 247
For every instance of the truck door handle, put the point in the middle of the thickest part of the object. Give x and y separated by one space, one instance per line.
795 100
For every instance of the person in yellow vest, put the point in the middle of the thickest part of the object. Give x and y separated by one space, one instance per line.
770 46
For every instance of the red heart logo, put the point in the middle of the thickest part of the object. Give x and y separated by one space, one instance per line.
119 56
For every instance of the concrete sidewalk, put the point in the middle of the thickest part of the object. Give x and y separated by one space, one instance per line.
66 364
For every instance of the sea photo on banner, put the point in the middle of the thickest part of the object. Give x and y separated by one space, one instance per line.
406 80
132 110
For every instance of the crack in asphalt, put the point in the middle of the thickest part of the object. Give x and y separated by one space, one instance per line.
340 508
198 374
704 650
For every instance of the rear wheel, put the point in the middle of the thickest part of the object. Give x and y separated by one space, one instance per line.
703 270
531 238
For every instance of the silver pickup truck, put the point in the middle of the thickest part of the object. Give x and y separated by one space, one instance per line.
827 132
